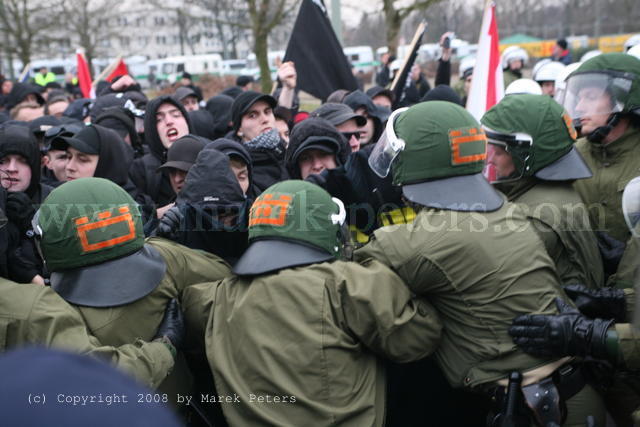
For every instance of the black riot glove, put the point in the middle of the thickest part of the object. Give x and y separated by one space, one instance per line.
611 250
169 224
605 303
20 210
172 326
568 333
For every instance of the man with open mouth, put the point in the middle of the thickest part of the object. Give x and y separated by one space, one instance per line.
165 121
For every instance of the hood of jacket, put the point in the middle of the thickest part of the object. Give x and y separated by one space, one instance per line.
115 157
151 128
16 139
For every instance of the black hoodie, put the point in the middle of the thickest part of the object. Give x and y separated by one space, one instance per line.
203 124
23 260
211 189
144 170
19 92
234 148
15 139
219 107
123 119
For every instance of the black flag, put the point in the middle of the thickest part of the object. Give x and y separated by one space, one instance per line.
314 48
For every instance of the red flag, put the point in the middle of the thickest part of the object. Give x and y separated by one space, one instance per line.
487 85
120 70
84 77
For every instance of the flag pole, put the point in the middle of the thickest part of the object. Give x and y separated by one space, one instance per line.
24 71
416 38
107 70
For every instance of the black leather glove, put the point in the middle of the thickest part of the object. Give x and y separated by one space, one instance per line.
169 224
172 325
605 303
611 250
568 333
20 210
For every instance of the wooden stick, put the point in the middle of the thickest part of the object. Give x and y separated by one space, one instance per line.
416 37
107 71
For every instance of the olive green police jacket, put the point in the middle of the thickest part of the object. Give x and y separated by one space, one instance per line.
613 166
561 220
307 338
479 270
141 318
36 315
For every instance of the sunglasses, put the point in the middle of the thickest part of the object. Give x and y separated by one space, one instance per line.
348 135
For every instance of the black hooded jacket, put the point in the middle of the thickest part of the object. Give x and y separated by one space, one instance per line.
19 92
314 127
121 117
23 260
219 107
15 139
268 165
211 191
234 148
203 124
144 170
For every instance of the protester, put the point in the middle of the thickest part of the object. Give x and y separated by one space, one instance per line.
345 120
254 125
316 145
180 157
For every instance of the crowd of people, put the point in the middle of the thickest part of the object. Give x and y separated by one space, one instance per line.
257 264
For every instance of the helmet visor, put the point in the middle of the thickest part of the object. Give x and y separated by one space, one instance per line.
589 95
387 148
511 155
631 206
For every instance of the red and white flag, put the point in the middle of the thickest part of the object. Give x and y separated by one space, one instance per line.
119 70
487 85
84 77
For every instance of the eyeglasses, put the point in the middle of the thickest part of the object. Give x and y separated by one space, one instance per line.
348 135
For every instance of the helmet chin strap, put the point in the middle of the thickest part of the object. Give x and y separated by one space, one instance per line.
600 133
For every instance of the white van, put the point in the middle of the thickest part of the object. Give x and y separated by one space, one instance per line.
171 68
361 58
234 67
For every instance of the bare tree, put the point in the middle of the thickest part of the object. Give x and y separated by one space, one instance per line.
265 15
89 22
26 23
394 16
229 20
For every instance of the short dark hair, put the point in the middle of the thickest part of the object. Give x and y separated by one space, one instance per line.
562 43
244 80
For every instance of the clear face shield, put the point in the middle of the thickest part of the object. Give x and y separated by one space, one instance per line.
510 156
631 212
590 98
387 148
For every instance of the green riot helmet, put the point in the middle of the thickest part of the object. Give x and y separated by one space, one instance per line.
538 135
91 238
444 153
600 90
292 223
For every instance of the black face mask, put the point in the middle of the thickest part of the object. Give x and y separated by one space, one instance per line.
220 230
